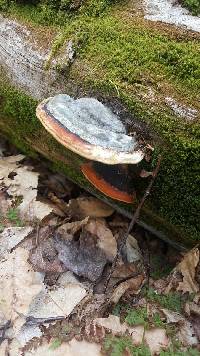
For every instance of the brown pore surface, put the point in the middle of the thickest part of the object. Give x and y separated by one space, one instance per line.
104 186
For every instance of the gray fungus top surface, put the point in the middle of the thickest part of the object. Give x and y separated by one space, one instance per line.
92 121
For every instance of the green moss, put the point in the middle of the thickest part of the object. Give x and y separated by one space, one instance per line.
120 56
116 346
13 217
192 5
190 352
55 344
137 316
171 301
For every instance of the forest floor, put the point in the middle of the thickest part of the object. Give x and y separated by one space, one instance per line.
57 244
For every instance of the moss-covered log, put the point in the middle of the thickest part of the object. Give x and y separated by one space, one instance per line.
150 95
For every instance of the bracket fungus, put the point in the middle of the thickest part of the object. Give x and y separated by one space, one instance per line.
91 130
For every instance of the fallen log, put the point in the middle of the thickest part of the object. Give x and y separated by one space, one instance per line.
171 212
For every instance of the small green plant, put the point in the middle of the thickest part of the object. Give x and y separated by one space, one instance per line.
157 321
116 346
13 216
172 352
55 344
171 301
137 316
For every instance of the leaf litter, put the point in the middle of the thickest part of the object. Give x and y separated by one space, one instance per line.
51 265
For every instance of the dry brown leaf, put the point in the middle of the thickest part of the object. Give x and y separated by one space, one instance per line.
123 270
72 348
27 333
83 257
19 285
112 323
145 174
59 302
44 258
192 308
8 165
132 250
156 339
4 348
186 334
11 237
137 334
195 320
172 317
67 278
106 241
5 202
132 285
23 184
68 230
89 206
187 268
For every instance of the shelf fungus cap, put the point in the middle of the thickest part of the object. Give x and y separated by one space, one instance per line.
90 129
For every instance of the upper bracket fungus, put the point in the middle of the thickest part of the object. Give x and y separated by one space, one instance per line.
91 130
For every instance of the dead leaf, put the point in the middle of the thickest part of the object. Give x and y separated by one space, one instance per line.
67 278
145 174
192 308
195 320
123 270
172 317
132 285
5 202
186 334
89 206
68 230
112 323
187 268
27 333
19 285
11 237
8 165
72 348
156 339
82 257
137 334
4 348
23 184
106 241
44 258
132 250
59 302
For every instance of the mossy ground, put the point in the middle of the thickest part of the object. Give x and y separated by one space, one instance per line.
120 55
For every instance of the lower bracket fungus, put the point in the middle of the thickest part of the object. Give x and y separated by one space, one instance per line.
90 129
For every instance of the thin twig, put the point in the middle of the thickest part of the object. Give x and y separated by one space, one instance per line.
133 221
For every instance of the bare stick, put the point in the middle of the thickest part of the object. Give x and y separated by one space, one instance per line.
133 221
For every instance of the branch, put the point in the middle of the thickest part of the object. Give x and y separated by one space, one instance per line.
133 221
